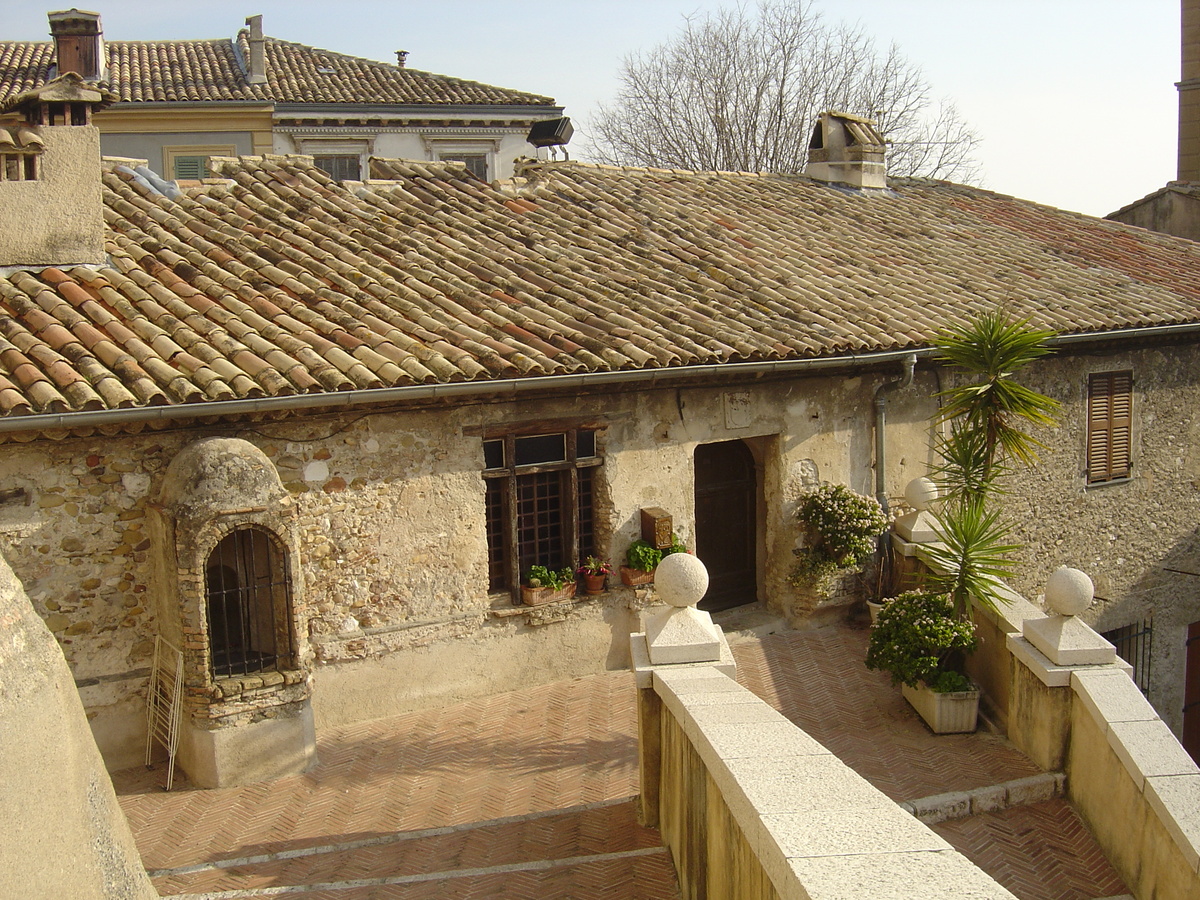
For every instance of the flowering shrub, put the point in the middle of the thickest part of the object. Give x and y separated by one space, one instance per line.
916 638
848 523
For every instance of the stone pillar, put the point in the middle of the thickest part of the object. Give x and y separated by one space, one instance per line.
678 637
1046 653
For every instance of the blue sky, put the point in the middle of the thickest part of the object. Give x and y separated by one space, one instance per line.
1074 99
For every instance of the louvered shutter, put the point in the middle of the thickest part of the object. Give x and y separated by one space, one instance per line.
191 168
1110 416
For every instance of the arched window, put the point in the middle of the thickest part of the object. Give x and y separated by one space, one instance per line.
249 604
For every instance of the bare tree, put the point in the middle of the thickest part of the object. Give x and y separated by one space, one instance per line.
740 90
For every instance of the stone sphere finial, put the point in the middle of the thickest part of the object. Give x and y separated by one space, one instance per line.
1069 591
921 493
680 580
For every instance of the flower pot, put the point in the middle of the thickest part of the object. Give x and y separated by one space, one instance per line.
950 713
636 577
531 596
873 607
595 584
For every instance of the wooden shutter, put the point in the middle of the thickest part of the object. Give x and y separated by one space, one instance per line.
191 167
1110 402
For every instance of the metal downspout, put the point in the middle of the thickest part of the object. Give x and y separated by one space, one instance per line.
881 394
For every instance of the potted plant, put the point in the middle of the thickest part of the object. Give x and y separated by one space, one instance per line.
842 529
642 558
546 585
595 572
923 637
920 640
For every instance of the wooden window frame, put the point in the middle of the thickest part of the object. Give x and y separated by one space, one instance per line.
577 531
1109 447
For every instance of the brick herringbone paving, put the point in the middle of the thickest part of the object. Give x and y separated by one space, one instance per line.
531 790
818 680
1039 852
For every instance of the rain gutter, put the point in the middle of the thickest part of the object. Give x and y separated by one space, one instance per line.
512 387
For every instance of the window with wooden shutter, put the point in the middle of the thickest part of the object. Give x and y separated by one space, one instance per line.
1110 404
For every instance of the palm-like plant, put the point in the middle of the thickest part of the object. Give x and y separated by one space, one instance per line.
984 418
991 349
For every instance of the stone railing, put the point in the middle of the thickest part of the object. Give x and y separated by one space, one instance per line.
1127 775
752 807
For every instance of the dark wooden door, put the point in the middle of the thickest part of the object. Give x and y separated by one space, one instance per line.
1191 694
726 539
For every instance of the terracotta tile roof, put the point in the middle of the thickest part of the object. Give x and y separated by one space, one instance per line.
210 70
275 280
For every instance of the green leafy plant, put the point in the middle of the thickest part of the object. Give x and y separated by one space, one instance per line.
918 638
594 565
846 526
642 555
555 579
646 557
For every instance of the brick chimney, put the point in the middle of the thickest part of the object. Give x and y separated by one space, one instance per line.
257 65
79 43
847 149
1189 94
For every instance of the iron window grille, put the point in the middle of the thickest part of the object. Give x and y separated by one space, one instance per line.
341 167
539 503
1109 426
1134 643
249 598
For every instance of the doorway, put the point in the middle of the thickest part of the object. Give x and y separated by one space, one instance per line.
1191 694
726 523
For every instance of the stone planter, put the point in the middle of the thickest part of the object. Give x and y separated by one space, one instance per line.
950 713
595 584
537 596
873 607
636 577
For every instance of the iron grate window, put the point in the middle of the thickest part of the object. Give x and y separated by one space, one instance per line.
1133 643
1109 428
540 502
249 602
340 168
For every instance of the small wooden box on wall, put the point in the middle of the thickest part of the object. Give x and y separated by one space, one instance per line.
656 527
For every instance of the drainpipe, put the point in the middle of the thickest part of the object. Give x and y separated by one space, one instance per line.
881 394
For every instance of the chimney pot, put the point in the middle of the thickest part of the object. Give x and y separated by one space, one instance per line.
401 58
847 149
78 43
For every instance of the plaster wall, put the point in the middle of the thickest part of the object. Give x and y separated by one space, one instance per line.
56 219
390 530
1169 212
64 833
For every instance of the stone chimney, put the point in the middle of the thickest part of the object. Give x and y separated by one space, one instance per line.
847 149
257 65
1189 94
79 44
51 205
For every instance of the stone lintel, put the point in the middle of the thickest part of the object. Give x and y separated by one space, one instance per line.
1066 641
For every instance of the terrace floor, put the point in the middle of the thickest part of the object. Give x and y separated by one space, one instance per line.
531 794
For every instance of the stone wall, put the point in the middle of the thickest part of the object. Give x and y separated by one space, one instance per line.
1138 539
389 518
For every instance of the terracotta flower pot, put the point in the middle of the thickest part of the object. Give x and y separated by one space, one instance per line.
531 596
636 577
595 584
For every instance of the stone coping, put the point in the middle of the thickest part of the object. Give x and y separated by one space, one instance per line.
818 829
1162 770
643 669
